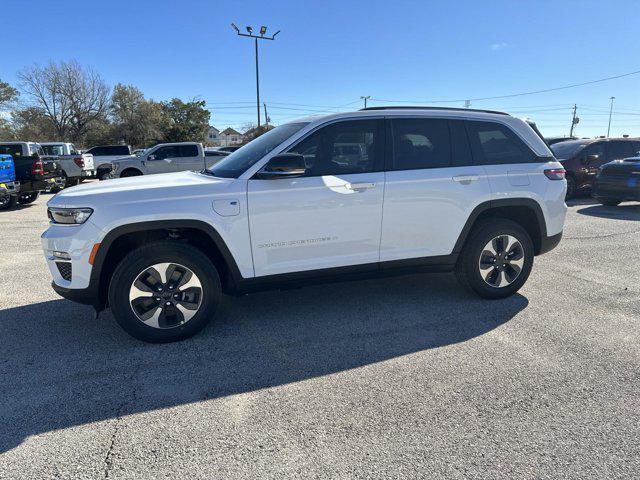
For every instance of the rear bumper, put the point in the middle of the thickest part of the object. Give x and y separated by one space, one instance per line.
549 243
9 188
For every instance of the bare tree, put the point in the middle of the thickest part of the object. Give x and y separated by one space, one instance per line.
71 97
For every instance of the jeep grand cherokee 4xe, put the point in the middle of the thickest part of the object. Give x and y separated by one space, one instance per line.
474 192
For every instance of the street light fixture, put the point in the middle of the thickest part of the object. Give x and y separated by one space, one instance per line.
263 31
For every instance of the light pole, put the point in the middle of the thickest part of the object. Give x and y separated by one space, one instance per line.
610 112
250 34
365 98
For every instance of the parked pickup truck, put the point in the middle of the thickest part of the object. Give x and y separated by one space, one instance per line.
105 154
75 166
163 158
9 187
34 173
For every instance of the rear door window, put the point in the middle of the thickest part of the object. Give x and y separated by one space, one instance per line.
187 151
420 143
495 144
619 149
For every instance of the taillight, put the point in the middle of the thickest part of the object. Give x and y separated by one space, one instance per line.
555 173
79 161
37 168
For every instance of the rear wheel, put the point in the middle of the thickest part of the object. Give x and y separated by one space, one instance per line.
164 292
27 198
571 187
7 202
497 259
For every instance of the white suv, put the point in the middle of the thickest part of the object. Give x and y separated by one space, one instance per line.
475 192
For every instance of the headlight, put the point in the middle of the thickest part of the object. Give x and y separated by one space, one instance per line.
69 216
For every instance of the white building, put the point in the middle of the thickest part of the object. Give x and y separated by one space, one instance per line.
213 137
229 137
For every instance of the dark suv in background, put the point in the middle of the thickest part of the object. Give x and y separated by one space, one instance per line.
582 158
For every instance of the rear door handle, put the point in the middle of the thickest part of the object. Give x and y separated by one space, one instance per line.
360 186
466 178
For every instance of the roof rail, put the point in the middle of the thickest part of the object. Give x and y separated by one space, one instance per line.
434 108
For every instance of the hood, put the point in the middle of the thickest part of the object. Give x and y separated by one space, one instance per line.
140 189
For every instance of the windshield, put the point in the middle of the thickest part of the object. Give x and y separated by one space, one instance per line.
567 150
239 161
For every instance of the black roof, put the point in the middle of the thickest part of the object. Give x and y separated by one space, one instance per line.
413 107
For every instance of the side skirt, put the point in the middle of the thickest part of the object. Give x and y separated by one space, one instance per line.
288 281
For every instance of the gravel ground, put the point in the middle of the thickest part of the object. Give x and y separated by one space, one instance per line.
397 378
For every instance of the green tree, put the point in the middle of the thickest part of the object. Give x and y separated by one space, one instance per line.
184 121
8 94
136 120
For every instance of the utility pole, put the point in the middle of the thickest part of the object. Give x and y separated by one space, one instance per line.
610 112
365 99
250 34
467 103
266 118
574 120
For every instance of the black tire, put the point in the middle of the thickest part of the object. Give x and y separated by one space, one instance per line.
27 198
468 267
609 202
7 202
130 172
136 262
571 187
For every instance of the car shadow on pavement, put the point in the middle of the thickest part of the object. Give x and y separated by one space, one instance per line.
61 368
630 211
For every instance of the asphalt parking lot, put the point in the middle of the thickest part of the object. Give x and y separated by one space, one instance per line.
396 378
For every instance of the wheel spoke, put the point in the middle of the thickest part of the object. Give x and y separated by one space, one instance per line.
186 312
154 319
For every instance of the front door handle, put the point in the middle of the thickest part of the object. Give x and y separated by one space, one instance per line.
465 179
360 186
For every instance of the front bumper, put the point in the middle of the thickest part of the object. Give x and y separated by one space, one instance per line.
86 296
549 243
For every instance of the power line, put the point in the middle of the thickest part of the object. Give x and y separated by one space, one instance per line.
533 92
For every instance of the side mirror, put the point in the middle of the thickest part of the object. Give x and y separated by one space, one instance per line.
151 157
591 158
284 165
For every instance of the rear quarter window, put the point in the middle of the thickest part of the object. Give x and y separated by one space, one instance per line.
495 144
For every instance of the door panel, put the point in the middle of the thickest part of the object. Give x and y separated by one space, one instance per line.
331 216
425 210
312 223
430 190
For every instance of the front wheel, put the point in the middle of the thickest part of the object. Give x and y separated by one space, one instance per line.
497 259
27 198
164 292
609 202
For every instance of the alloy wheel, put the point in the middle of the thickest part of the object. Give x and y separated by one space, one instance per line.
501 261
165 295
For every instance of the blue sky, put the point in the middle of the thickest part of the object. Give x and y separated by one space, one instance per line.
329 53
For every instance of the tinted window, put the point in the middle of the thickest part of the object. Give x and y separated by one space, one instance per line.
617 150
165 152
420 143
240 160
96 151
566 150
13 150
460 148
110 150
187 151
342 148
495 144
